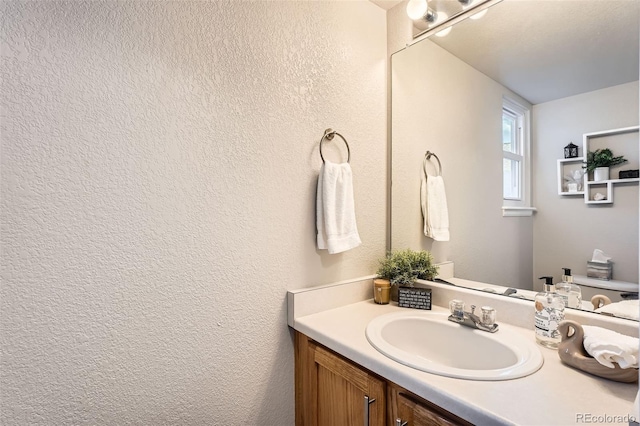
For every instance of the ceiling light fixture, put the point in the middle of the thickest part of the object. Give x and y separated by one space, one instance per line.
419 9
479 14
466 4
441 18
438 22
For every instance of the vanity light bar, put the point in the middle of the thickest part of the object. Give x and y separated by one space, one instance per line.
454 19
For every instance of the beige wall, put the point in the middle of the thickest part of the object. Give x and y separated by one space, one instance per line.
159 165
566 230
441 104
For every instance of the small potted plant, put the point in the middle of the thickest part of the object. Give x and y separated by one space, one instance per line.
401 269
599 161
404 267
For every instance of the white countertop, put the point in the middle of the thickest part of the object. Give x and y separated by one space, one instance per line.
606 284
554 395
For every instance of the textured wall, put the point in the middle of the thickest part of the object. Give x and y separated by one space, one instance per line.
159 162
399 28
565 229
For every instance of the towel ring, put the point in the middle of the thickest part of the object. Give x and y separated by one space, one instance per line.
328 135
428 156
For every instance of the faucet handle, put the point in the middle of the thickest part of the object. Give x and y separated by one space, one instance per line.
473 308
456 307
488 316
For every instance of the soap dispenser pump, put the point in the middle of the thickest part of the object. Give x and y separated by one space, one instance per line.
569 291
548 314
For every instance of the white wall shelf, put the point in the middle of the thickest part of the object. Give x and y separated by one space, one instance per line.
592 187
566 166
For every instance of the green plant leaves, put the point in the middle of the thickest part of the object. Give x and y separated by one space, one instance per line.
602 158
403 267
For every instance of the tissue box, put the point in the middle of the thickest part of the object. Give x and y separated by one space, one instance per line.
600 270
413 297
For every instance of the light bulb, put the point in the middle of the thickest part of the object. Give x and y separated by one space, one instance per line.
417 9
443 32
466 3
442 17
479 14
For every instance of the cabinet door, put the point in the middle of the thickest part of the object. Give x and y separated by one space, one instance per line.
331 391
411 412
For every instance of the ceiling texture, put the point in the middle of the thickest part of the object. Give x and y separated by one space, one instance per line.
548 49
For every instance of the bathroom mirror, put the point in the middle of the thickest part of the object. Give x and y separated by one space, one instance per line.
574 66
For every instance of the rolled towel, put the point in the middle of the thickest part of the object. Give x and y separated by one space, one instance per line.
624 309
608 346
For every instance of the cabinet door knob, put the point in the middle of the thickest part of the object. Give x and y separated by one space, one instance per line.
399 422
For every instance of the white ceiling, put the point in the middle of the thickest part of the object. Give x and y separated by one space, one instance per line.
550 49
386 4
546 50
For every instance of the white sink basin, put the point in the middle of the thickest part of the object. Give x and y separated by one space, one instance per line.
429 342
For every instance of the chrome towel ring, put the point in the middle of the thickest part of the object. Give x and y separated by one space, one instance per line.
427 156
328 135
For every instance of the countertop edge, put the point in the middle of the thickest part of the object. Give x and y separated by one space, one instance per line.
431 387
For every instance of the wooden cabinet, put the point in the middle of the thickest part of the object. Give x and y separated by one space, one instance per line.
407 409
334 391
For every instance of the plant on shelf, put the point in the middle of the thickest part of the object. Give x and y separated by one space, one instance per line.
403 267
602 158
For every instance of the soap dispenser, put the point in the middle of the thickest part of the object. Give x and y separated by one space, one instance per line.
549 313
569 291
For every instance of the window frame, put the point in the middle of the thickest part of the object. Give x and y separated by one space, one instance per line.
521 205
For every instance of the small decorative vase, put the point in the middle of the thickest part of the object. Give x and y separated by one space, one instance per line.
600 174
381 291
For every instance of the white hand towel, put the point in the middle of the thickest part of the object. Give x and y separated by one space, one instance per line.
608 346
434 207
335 209
623 309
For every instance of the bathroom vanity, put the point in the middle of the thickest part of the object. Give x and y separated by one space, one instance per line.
336 367
330 388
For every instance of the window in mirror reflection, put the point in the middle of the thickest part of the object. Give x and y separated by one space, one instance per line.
511 183
513 152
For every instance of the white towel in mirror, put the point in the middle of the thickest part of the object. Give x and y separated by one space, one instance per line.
434 207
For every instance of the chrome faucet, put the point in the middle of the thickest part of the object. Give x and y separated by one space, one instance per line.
470 319
510 291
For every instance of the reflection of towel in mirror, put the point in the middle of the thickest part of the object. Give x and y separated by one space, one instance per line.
624 309
608 346
335 210
435 213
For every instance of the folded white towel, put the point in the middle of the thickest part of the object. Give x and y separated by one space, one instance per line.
608 346
435 213
623 309
335 209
